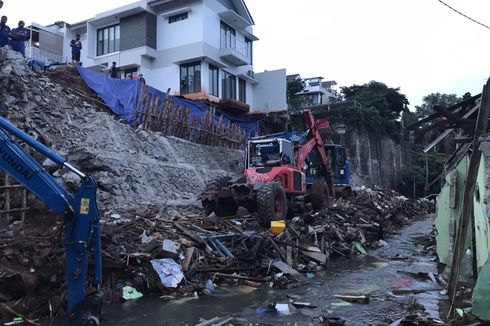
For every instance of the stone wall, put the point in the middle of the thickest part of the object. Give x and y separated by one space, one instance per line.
374 161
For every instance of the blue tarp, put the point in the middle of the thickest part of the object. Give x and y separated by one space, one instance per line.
121 96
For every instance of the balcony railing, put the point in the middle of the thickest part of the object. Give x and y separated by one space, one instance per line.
35 53
231 42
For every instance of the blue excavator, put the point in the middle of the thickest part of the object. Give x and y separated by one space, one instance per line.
82 231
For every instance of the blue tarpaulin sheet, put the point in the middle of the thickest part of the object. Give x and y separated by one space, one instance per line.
121 96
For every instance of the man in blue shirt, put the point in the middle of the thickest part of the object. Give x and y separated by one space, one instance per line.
18 37
4 32
76 48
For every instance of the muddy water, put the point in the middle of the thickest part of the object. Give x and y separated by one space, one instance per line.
374 275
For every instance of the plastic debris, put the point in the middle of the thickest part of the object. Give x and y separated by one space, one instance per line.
283 308
169 271
360 248
209 287
145 239
171 248
130 293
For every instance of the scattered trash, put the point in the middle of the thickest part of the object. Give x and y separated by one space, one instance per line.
353 298
169 271
171 249
283 308
278 226
360 248
145 239
130 293
15 321
209 287
300 305
310 276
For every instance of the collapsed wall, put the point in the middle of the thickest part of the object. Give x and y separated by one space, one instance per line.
138 172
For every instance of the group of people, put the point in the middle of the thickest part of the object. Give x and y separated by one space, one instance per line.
15 37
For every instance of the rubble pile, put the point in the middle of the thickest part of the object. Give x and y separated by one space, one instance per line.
138 172
190 255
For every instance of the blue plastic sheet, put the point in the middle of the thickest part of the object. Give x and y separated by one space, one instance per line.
121 96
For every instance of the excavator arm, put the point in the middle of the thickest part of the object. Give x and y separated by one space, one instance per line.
82 232
315 142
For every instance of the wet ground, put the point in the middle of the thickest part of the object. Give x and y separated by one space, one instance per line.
374 275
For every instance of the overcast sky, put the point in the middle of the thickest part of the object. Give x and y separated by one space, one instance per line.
420 46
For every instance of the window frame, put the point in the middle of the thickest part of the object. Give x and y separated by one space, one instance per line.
178 17
242 90
108 39
227 36
228 87
249 45
213 80
187 85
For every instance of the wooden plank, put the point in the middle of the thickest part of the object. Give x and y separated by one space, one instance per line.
468 193
188 258
283 267
318 256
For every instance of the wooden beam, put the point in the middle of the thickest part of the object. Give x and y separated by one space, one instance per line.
468 193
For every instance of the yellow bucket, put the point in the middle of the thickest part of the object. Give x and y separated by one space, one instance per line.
277 226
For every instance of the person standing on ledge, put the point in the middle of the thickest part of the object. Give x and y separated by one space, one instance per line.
18 37
76 49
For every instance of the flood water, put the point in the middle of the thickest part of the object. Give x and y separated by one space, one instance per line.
374 275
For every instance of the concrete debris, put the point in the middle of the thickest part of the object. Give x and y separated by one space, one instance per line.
138 172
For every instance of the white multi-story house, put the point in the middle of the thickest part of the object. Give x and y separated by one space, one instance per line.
201 49
317 92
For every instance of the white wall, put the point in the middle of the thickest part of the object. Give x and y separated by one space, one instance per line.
270 93
180 33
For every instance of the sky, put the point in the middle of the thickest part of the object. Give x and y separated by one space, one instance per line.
420 46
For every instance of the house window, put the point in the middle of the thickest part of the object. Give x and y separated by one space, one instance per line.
229 86
242 90
108 39
190 78
213 80
228 36
178 18
130 73
248 44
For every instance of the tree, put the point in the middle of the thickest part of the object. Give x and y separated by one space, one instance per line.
388 101
295 86
445 100
416 173
379 112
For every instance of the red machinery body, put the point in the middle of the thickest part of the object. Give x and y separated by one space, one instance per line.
274 180
292 180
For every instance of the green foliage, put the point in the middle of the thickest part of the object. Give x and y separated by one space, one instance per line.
388 101
417 171
445 100
294 87
408 118
378 110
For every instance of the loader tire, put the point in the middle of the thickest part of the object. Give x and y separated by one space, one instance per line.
225 207
271 204
209 204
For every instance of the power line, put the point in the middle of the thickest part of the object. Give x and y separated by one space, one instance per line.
459 12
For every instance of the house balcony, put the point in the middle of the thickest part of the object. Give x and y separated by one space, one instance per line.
44 56
234 51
